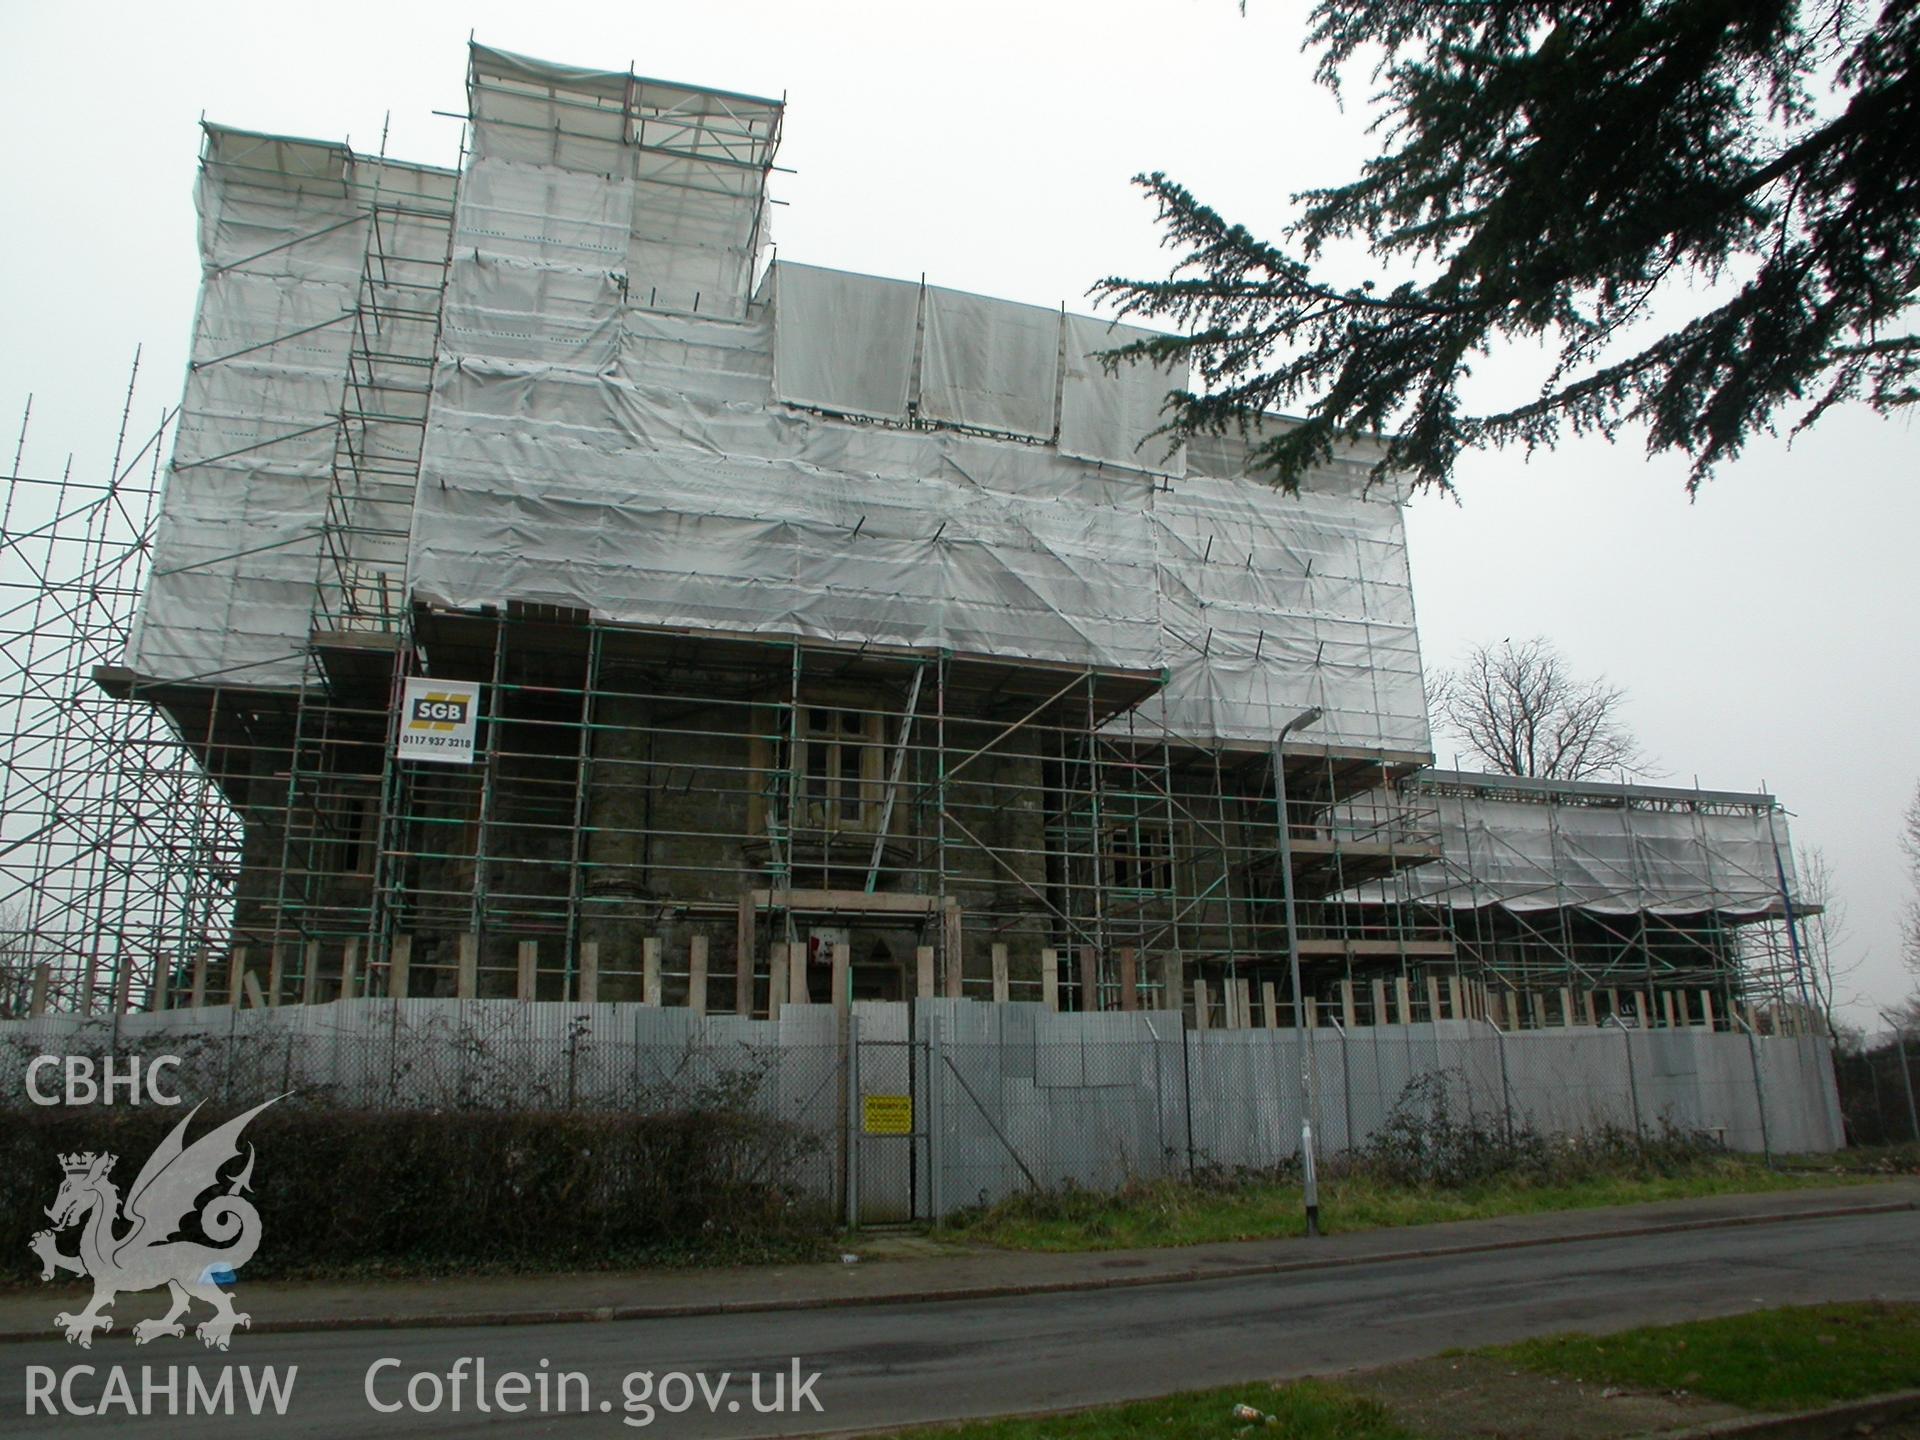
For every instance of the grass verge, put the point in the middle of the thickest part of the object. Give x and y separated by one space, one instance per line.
1303 1410
1789 1359
1180 1212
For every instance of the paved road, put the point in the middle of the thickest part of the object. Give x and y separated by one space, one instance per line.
900 1363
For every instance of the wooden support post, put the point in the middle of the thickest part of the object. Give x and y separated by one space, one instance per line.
1666 1006
923 966
1246 1004
197 997
1129 979
276 973
743 957
777 972
1433 997
1538 999
1313 1013
1230 1003
1586 1002
842 970
1002 981
1200 1017
953 949
1456 1000
349 965
1347 1016
697 974
527 970
1270 1002
399 966
588 984
1566 1006
1706 1008
157 996
1496 1012
1379 991
310 980
1089 978
1050 978
1403 999
236 967
250 987
1613 1002
650 970
799 983
467 980
42 982
1173 982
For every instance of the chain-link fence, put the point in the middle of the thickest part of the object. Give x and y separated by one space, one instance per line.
1879 1079
927 1107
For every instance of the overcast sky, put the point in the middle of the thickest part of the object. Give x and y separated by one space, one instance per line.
1766 632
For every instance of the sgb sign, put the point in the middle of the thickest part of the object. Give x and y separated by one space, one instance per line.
437 721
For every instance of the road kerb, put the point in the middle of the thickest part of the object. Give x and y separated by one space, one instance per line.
1822 1424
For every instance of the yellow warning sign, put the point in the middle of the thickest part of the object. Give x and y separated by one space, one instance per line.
887 1114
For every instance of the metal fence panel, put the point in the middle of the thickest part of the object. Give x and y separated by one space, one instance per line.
1000 1097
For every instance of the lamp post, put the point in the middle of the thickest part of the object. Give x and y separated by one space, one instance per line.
1311 1182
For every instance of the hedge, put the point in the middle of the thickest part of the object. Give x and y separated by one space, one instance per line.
434 1192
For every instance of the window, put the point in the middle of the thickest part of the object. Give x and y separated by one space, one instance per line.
840 754
839 773
1140 857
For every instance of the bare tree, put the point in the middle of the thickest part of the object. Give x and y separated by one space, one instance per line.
1520 710
1823 930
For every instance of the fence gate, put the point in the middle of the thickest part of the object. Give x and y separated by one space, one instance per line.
886 1118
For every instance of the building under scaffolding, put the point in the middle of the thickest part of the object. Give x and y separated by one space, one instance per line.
555 598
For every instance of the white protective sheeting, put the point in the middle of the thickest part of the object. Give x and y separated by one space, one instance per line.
843 342
1610 849
990 364
283 235
1107 418
688 167
591 447
236 543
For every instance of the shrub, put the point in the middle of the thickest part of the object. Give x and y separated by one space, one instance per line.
343 1191
1425 1142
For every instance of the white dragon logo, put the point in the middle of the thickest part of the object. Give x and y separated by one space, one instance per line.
146 1255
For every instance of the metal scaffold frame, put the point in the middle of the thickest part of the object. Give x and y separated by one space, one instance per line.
986 822
118 856
664 803
1551 952
648 807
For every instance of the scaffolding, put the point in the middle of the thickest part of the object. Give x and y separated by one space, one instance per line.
1584 901
799 658
118 857
640 798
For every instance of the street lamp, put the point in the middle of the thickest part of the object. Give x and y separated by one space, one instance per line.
1312 1186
